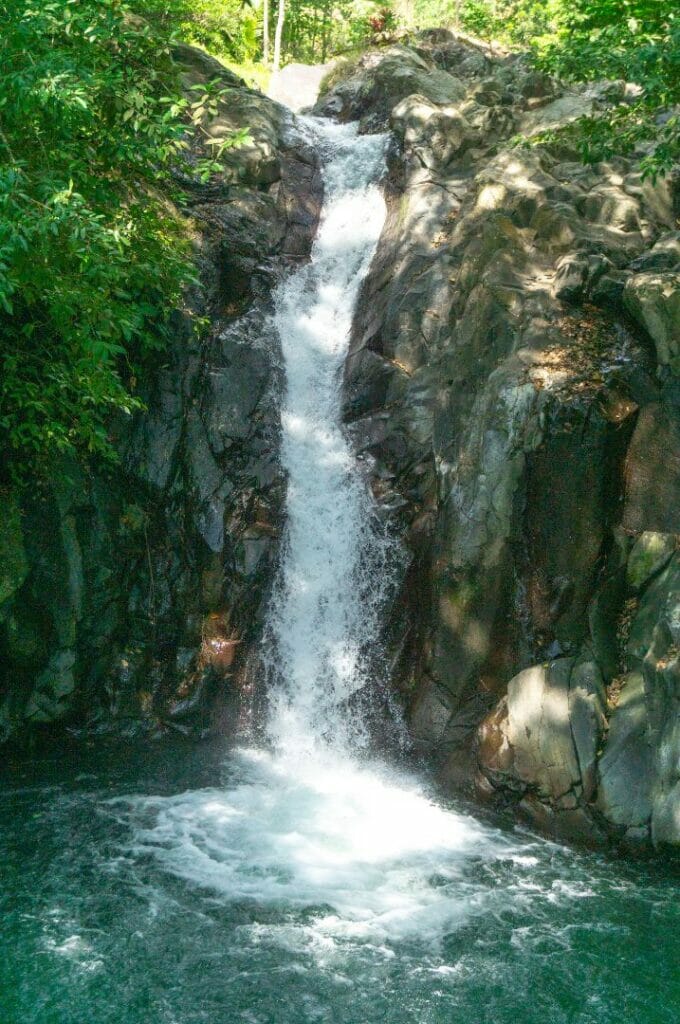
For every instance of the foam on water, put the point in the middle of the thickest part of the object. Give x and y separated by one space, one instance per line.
366 850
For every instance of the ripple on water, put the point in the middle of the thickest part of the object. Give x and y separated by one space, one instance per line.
338 853
318 890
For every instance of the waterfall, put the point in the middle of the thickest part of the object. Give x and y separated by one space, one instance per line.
296 882
336 563
337 849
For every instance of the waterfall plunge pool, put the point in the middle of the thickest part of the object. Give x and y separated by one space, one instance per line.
250 890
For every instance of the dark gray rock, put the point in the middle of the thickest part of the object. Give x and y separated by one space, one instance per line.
625 769
652 472
653 299
577 275
130 601
523 441
607 291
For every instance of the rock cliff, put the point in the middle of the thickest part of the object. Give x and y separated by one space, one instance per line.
514 387
513 382
129 600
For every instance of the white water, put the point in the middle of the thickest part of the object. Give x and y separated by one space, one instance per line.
364 849
353 851
324 618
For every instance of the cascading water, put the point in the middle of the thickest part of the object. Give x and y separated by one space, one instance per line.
324 618
299 883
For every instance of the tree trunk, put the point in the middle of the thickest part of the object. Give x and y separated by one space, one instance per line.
278 34
405 13
324 33
265 33
315 27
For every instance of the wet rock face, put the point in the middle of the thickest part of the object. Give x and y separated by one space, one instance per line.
512 383
132 601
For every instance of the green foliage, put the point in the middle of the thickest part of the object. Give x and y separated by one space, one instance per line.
585 40
313 30
316 30
512 22
226 28
93 258
634 40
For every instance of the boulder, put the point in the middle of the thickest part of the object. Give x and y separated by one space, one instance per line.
554 115
653 299
544 736
435 134
612 206
651 472
664 255
576 274
650 554
370 88
539 730
608 290
627 765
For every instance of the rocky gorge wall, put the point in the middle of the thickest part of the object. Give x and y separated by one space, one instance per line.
129 600
514 385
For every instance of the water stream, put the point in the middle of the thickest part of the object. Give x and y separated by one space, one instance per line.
305 881
335 569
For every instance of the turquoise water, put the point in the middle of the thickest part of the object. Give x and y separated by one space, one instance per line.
181 886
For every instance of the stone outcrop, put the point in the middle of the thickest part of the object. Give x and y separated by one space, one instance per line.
514 387
130 600
513 383
653 299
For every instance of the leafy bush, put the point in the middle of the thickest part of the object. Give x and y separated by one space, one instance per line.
634 40
315 30
93 258
227 28
587 40
507 21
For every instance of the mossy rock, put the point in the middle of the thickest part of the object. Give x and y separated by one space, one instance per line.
649 555
13 561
